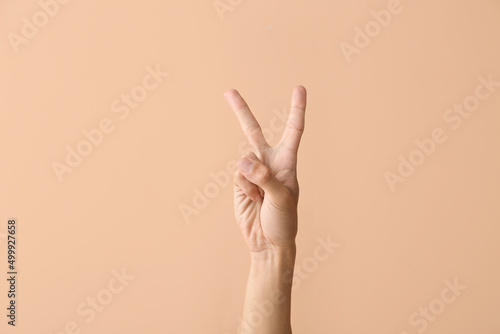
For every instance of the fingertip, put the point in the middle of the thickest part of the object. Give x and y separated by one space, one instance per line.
299 97
230 92
301 89
252 157
245 165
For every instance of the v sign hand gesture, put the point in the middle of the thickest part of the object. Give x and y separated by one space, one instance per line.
266 189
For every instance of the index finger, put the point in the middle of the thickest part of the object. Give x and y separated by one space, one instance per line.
249 124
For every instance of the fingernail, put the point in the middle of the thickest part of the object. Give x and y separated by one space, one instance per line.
245 165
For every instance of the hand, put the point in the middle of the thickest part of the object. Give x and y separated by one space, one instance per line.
266 190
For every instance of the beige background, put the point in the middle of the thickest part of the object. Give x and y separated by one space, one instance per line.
121 206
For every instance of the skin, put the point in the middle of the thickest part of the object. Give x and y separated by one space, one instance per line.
266 194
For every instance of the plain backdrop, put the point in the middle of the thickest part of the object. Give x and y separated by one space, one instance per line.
150 201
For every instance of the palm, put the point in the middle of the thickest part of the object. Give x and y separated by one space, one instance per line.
263 222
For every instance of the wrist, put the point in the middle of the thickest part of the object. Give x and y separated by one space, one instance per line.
271 272
276 255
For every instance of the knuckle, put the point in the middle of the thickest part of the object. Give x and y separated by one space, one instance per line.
252 128
263 174
295 127
239 179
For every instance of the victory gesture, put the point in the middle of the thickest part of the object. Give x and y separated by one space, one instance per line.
266 190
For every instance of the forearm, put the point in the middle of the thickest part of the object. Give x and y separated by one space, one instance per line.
268 296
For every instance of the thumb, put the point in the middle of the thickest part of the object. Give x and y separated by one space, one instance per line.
259 174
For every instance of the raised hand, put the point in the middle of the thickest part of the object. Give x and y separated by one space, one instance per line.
266 189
